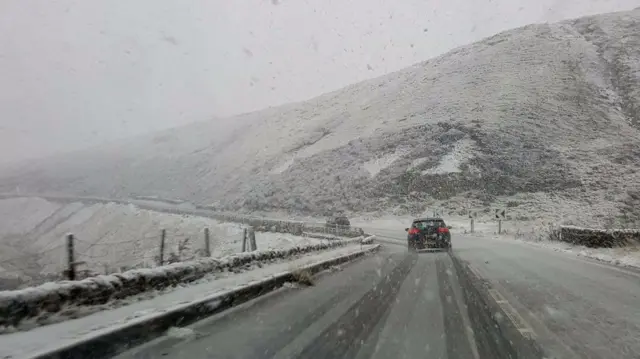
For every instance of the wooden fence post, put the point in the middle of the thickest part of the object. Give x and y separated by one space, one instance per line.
244 240
252 239
71 266
207 245
163 235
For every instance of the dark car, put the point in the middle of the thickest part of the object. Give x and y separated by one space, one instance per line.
428 233
338 221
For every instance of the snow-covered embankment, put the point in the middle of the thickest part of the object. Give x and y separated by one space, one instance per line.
18 305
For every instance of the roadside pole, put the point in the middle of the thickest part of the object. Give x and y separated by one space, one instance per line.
252 239
472 220
163 235
207 243
71 266
500 215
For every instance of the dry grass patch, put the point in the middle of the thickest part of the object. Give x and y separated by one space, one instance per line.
303 276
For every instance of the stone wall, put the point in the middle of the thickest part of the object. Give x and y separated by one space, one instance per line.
598 238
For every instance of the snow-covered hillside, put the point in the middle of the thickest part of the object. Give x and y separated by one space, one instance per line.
548 110
109 237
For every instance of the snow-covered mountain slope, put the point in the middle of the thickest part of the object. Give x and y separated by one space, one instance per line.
551 108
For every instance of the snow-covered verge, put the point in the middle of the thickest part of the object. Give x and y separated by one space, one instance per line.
45 339
18 305
550 237
547 236
627 256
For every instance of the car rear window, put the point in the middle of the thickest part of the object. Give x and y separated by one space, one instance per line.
428 223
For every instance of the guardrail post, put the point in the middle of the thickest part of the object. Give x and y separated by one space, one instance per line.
207 243
71 266
499 226
163 235
472 223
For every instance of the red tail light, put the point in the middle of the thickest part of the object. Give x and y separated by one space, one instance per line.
443 230
414 231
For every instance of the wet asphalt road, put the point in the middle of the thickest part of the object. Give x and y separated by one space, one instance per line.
399 305
575 307
389 305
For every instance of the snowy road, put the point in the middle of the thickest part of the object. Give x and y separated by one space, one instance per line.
407 306
391 305
577 308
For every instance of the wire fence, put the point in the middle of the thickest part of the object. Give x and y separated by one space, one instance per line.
80 256
74 257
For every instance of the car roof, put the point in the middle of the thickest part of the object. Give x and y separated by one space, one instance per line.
428 219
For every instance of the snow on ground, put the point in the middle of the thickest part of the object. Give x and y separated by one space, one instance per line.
596 209
383 222
264 241
19 215
270 240
40 339
374 166
628 256
450 163
283 166
110 237
417 162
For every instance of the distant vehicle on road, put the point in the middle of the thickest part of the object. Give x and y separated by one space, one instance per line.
428 233
338 221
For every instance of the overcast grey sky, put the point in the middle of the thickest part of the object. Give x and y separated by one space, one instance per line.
77 73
